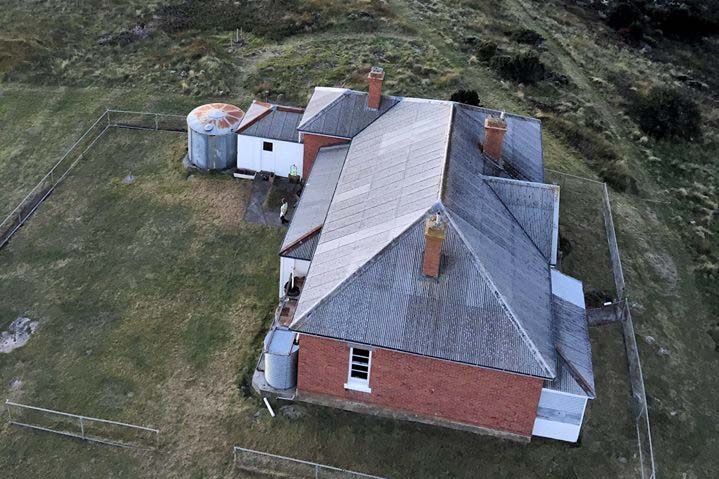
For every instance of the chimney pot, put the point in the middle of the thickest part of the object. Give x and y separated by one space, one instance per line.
375 78
435 232
494 131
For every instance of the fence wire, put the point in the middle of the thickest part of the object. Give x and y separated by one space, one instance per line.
92 429
636 376
19 215
264 462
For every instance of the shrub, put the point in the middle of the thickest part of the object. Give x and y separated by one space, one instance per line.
486 50
624 14
527 36
525 67
668 113
468 97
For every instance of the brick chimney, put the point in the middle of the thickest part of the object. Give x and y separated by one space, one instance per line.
435 231
494 130
375 78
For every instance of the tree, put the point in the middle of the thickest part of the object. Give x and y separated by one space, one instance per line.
468 97
668 113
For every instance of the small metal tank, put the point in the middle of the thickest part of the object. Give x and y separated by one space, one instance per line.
211 137
281 359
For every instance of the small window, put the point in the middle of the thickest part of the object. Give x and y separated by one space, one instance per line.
267 145
359 370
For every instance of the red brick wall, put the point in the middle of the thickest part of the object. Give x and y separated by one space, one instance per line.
313 143
424 386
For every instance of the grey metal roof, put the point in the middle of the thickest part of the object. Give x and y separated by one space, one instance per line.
389 303
536 208
304 249
422 156
572 333
522 149
320 98
315 200
279 124
345 116
390 178
514 264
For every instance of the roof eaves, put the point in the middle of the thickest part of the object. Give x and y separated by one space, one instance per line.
301 239
254 120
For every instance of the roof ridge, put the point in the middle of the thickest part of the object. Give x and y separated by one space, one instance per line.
513 317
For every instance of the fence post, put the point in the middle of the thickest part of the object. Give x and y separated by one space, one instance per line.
9 414
107 112
317 471
157 127
82 428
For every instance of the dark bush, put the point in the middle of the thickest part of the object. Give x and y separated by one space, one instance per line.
668 112
468 97
523 67
486 50
624 14
527 36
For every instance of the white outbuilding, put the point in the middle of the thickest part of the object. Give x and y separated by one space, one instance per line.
268 140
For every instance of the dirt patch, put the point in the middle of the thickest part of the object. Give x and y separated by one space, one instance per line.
17 334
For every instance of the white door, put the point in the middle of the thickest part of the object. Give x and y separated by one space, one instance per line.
267 162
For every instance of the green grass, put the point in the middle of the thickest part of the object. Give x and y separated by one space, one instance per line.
134 277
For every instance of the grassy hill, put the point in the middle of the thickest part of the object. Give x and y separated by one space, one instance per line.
63 61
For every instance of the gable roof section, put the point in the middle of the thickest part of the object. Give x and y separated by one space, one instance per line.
389 303
273 122
391 177
536 208
320 98
345 116
315 201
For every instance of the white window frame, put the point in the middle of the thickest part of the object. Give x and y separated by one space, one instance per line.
357 384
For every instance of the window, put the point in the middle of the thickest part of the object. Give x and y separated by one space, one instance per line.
267 145
359 369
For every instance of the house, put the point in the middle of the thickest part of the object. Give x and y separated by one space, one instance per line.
418 276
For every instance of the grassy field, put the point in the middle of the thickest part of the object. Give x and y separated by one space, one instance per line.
152 298
152 266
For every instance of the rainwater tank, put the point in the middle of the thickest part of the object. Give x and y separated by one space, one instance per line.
212 141
281 359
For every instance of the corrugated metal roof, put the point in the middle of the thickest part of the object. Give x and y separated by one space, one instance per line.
279 124
316 196
320 98
534 206
422 156
390 178
572 330
303 249
513 263
389 303
522 148
345 116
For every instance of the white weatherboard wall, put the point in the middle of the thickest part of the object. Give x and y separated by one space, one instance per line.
284 154
288 266
559 415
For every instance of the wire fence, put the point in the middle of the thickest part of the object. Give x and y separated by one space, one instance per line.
280 466
19 215
87 428
636 376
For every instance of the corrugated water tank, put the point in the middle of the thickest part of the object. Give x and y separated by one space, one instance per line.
212 137
281 359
